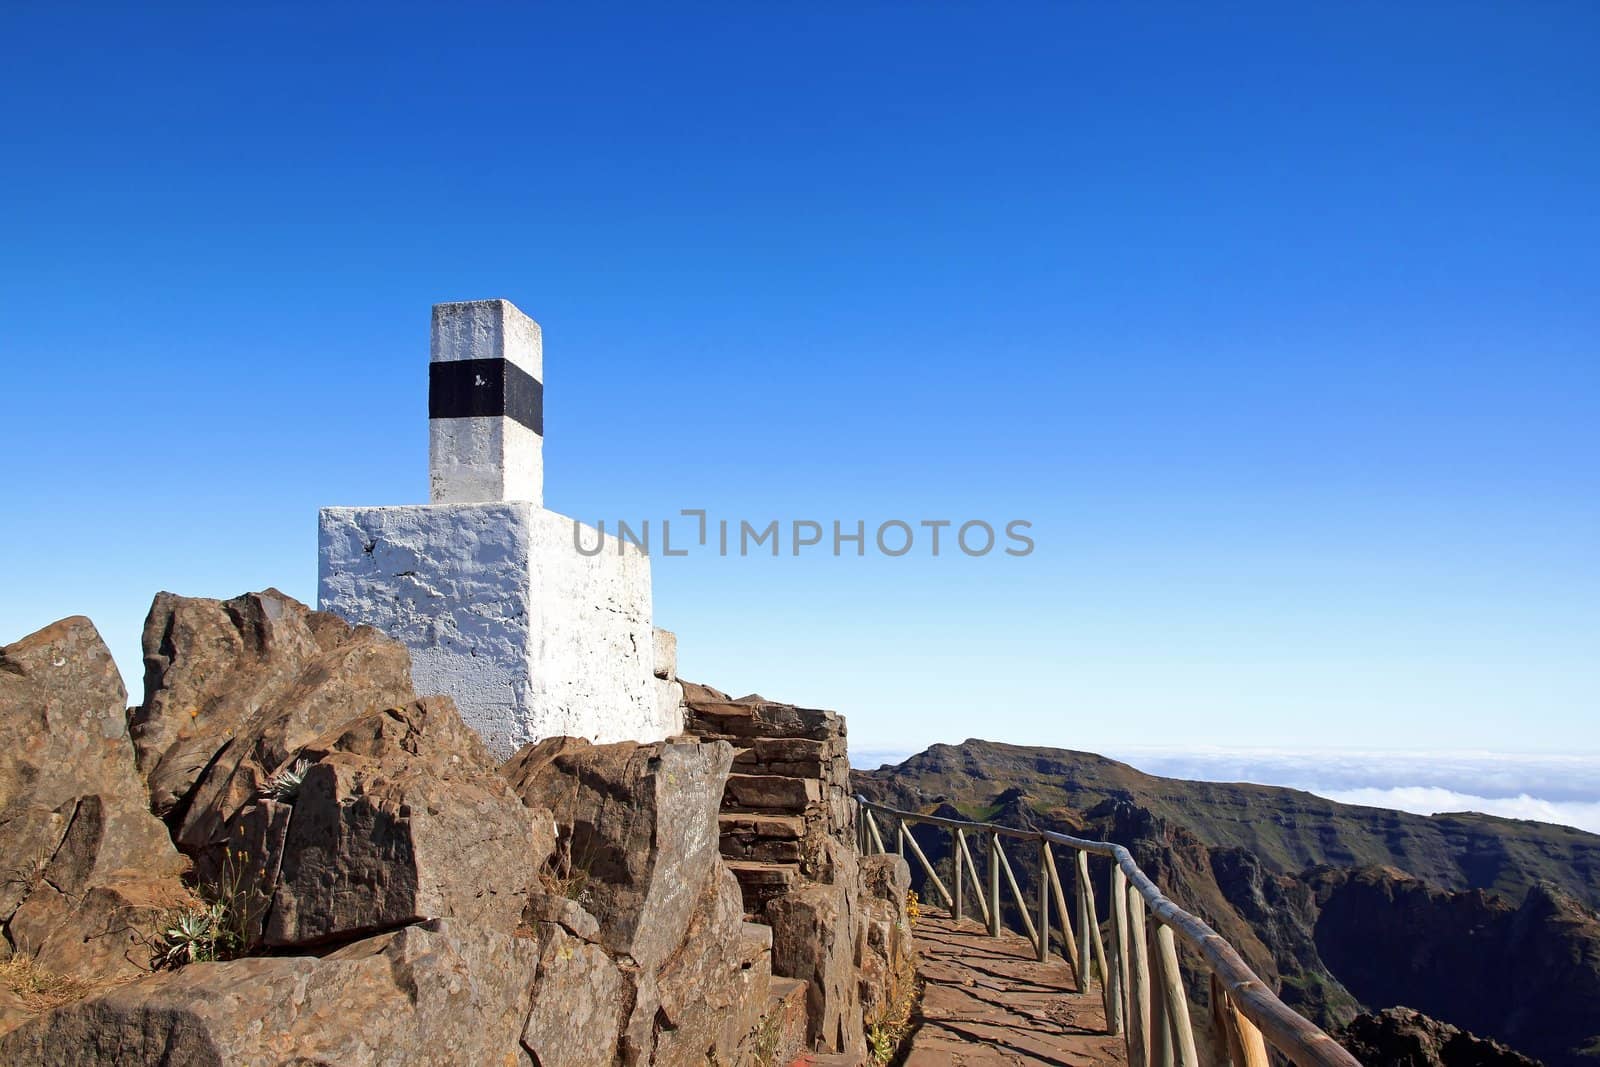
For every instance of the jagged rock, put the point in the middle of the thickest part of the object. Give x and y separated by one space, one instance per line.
402 817
424 995
568 914
884 951
233 688
1403 1037
709 990
88 871
579 1002
814 939
638 829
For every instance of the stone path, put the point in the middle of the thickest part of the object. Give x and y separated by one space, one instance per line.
990 1001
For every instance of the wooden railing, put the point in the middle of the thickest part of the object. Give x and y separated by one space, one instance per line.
1143 990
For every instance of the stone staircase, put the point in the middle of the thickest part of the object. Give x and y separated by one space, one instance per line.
787 832
788 793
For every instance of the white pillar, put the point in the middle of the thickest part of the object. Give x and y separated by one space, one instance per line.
500 610
485 405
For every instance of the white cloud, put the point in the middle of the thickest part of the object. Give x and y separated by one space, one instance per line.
1430 800
1493 775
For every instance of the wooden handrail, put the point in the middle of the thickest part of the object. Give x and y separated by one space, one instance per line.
1250 1005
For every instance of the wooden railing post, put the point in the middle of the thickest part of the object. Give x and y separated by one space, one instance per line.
1246 1048
877 838
1138 983
900 838
978 893
1110 986
1160 1019
1016 895
1046 862
1177 999
1068 945
910 838
1119 967
994 884
956 846
1083 899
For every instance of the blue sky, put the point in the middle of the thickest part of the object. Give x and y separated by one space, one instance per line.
1278 322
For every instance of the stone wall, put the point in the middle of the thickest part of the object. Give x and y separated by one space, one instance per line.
788 833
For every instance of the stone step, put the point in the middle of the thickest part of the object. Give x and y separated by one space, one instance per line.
760 882
770 793
793 757
769 838
755 943
755 824
733 720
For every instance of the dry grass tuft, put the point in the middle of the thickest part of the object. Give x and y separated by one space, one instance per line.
38 989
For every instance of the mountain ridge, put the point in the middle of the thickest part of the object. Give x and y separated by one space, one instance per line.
1485 923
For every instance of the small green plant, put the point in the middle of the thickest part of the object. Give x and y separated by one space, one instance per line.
224 922
285 785
881 1043
197 935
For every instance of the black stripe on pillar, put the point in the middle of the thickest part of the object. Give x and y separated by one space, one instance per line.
474 388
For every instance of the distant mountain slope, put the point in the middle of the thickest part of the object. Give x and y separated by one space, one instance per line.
1482 922
1288 829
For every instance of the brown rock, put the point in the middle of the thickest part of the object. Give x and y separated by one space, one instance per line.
774 793
711 990
424 995
1402 1037
89 871
813 939
568 914
579 1003
402 818
884 949
638 829
233 688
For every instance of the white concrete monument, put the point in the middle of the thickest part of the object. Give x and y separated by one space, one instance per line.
488 590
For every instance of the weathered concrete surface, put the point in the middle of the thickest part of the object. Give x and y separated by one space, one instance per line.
990 1002
501 612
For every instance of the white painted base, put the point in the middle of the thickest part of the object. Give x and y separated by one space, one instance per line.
505 616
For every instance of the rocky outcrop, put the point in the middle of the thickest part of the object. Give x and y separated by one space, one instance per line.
88 872
1402 1037
376 889
1527 974
427 994
401 817
234 688
637 831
